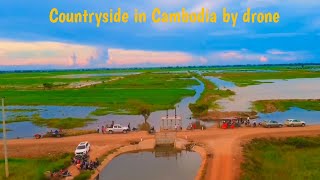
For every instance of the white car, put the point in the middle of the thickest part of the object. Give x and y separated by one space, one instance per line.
82 149
117 128
294 122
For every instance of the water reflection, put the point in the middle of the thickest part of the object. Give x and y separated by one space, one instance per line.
221 84
184 165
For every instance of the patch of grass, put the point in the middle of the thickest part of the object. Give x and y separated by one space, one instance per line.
242 79
35 168
22 110
270 106
208 97
73 132
65 123
19 118
1 130
106 111
292 158
84 175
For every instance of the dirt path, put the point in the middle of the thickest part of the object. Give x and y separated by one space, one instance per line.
225 145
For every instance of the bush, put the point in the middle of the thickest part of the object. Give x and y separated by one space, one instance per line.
84 175
144 126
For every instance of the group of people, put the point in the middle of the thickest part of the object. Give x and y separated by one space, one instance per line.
238 122
103 129
82 163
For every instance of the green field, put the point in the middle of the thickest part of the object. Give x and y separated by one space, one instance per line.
295 158
242 79
160 90
25 169
270 106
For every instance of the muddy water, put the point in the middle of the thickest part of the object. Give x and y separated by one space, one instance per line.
152 165
279 89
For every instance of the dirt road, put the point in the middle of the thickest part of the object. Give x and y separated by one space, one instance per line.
225 145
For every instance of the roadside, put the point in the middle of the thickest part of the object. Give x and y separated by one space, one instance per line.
225 145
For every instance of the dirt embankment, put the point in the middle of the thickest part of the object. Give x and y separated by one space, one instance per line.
224 145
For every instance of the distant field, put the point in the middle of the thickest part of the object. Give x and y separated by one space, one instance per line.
160 90
252 78
293 158
270 106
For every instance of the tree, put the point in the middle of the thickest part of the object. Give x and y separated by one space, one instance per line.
142 109
145 111
47 85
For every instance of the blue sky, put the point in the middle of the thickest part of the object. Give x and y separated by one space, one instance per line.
29 40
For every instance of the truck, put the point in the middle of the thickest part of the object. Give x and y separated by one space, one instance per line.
117 128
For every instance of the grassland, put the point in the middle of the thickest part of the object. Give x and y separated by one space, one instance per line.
63 123
59 123
293 158
270 106
34 168
160 90
208 97
242 79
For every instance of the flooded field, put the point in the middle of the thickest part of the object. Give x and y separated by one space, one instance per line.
182 110
28 129
153 165
278 89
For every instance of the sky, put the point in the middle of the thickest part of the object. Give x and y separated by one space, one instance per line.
28 40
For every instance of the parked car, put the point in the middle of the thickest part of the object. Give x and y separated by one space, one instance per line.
117 128
270 124
82 149
294 122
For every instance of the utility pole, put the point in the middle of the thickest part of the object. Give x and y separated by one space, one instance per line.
5 140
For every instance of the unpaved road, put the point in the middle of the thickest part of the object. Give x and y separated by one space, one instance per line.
225 145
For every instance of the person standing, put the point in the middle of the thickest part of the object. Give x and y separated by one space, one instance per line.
98 129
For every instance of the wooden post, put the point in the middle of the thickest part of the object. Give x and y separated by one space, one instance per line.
5 140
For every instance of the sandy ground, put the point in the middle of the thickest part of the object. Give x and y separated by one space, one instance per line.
225 145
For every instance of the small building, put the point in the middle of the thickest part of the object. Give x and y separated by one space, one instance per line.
170 123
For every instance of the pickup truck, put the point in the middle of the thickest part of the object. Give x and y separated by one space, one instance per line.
117 128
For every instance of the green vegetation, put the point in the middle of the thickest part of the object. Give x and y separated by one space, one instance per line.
66 123
1 130
35 168
242 79
72 132
19 118
208 97
22 110
159 90
292 158
270 106
84 175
